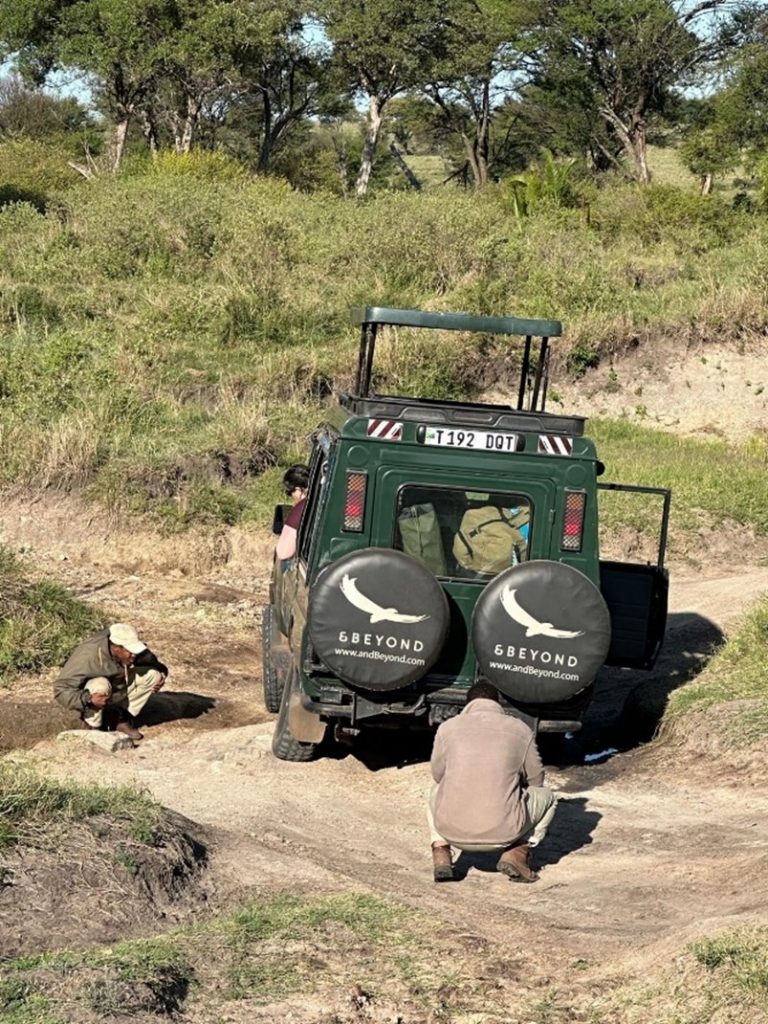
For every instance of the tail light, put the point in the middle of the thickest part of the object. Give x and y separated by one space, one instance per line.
354 501
573 520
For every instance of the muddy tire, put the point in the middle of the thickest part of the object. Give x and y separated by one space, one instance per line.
378 619
273 684
540 632
285 746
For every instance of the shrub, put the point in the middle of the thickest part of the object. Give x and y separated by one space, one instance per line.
40 622
34 172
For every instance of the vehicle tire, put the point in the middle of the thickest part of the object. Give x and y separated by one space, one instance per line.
541 631
378 619
284 745
273 684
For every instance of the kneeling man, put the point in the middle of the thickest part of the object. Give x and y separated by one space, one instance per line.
489 792
112 670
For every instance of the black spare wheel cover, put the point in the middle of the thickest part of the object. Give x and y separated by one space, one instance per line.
377 618
541 631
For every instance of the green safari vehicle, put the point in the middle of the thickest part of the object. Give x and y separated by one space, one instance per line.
444 542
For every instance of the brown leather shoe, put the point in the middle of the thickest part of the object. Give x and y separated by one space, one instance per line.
441 862
515 863
129 730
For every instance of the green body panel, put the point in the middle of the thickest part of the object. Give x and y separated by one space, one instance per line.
543 479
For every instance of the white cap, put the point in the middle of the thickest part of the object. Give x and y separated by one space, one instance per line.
126 636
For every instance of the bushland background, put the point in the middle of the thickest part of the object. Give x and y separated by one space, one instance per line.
191 198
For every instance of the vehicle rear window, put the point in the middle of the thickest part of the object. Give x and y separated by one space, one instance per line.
463 534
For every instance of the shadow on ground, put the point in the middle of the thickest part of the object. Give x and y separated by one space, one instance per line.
571 829
174 705
629 704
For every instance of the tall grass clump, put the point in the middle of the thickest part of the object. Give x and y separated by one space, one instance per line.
32 806
40 622
739 960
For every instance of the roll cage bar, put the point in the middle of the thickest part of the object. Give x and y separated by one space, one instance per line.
371 318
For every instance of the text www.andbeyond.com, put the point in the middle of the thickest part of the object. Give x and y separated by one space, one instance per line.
399 659
531 670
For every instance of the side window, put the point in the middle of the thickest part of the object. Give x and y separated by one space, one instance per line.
463 534
318 468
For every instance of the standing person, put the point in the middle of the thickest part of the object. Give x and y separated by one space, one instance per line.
488 793
295 484
112 670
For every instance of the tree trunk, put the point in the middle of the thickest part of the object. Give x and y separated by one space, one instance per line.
399 159
117 144
640 152
149 128
633 142
483 137
471 153
369 148
265 150
184 144
705 183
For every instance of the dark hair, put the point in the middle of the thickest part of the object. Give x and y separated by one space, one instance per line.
484 691
295 476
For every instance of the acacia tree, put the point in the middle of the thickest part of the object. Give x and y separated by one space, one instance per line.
383 48
483 58
120 43
283 76
619 59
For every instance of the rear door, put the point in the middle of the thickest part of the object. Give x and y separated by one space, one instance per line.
440 504
637 594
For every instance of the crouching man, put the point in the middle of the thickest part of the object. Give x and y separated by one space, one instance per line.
488 794
111 674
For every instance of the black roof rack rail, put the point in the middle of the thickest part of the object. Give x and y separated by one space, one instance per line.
456 321
370 318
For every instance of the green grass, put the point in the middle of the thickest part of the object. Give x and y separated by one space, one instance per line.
32 806
734 680
694 469
274 947
167 342
40 622
738 959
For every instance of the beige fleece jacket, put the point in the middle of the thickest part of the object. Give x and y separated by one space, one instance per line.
483 760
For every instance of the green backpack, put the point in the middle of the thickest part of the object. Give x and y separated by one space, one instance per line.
489 540
420 533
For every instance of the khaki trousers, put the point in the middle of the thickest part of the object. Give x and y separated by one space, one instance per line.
540 806
140 687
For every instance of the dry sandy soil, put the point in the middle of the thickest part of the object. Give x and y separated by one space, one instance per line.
644 854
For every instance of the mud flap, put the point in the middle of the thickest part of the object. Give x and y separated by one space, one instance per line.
305 726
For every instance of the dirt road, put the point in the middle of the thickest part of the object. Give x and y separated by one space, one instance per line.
641 856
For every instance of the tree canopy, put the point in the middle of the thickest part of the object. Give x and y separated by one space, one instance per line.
486 84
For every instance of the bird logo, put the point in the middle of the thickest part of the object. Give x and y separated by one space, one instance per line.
376 611
532 626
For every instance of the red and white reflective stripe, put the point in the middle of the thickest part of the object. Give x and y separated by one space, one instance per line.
554 444
385 430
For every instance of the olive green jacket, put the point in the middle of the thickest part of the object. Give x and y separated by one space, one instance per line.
91 659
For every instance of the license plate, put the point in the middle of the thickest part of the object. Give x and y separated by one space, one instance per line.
477 440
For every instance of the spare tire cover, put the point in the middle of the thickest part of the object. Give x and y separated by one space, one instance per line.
541 631
377 618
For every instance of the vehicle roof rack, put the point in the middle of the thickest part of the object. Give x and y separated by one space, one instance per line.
370 318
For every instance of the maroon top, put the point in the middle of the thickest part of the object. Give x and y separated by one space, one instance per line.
294 516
